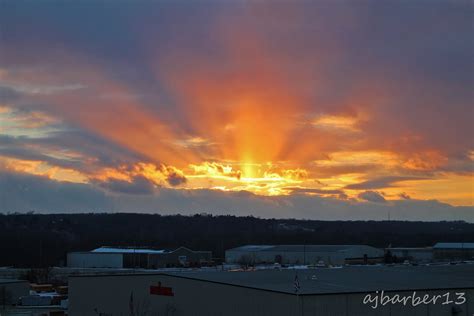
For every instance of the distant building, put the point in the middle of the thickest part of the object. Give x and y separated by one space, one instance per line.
88 259
337 291
300 254
113 257
180 257
418 255
446 251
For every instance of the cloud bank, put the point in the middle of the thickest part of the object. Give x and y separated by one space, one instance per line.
35 193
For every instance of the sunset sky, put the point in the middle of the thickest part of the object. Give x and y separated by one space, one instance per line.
306 109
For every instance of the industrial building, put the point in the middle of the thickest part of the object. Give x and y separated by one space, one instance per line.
300 254
113 257
440 252
344 291
419 255
445 251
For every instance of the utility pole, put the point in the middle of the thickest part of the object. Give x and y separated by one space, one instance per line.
40 253
304 253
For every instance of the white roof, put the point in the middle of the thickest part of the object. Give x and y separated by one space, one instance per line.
299 248
126 250
253 247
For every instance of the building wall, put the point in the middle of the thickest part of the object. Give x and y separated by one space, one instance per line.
416 255
11 292
94 260
360 251
351 305
300 257
453 254
135 260
111 295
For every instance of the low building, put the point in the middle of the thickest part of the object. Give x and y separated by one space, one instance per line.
12 290
88 259
418 255
346 291
180 257
300 254
113 257
447 251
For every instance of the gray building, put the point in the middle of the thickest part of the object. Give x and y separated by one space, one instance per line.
300 254
346 291
180 257
88 259
446 251
113 257
419 255
12 290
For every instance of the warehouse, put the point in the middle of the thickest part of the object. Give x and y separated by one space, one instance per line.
300 254
419 255
180 257
94 260
110 257
352 290
12 290
113 257
446 251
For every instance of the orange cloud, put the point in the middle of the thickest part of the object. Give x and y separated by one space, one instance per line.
43 169
158 174
425 161
215 169
242 119
337 123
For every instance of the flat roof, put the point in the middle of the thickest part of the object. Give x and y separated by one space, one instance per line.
299 248
125 250
411 248
6 281
351 279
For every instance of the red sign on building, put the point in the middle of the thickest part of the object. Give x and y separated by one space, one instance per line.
161 290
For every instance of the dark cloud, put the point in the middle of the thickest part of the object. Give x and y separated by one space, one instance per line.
19 192
315 191
175 178
7 94
380 183
372 196
345 169
93 148
138 185
104 152
404 196
17 147
22 192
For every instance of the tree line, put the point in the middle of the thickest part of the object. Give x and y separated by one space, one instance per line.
42 240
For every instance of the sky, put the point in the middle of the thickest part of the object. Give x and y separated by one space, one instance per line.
305 109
